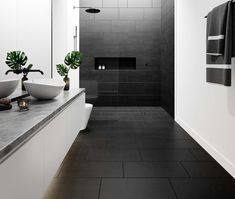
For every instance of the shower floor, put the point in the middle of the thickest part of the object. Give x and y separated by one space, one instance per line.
138 153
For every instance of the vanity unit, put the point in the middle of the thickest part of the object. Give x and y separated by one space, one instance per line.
34 143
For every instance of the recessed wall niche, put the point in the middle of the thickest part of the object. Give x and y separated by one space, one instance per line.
115 63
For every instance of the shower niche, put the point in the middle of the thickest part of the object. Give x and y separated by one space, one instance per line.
115 63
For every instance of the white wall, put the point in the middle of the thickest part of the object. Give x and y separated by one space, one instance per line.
73 20
206 111
59 33
7 38
65 18
25 25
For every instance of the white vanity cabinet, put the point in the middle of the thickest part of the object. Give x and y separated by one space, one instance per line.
27 171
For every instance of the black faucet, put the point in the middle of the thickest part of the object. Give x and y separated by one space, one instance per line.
14 71
25 71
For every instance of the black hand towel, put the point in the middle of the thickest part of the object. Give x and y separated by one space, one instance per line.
219 34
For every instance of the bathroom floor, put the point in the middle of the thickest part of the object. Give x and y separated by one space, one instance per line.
138 153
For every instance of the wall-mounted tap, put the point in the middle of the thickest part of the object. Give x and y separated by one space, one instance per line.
25 71
14 71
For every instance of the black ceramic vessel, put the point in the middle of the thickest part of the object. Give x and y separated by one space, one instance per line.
67 83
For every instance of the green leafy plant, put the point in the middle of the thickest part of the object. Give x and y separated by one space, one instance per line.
71 61
16 60
62 69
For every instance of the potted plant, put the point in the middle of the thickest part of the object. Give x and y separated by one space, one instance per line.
71 61
16 60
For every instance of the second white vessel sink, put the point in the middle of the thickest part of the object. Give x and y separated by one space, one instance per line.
44 88
7 87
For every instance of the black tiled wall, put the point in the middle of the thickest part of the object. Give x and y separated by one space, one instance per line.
167 57
123 28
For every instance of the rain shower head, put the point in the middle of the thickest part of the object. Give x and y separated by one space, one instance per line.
89 9
92 10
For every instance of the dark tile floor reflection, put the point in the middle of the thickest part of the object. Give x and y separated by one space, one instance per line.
138 153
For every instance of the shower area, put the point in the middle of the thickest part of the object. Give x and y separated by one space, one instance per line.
128 52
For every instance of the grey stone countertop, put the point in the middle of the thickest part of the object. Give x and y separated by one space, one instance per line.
18 93
17 127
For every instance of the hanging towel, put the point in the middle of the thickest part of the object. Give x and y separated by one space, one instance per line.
219 34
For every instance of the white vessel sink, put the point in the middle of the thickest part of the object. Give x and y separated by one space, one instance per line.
44 88
7 87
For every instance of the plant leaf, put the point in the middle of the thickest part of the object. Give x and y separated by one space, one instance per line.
62 69
16 59
73 59
30 66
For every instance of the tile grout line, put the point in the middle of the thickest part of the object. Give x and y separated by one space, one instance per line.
100 188
190 151
185 169
172 187
147 161
140 154
123 172
111 177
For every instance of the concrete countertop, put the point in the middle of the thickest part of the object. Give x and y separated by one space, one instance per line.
17 127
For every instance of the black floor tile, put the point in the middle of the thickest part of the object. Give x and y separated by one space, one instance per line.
154 169
169 143
101 123
113 155
201 155
124 143
78 150
205 169
114 133
159 124
130 124
126 152
92 169
99 134
164 134
73 189
86 143
111 129
204 188
166 155
127 188
153 128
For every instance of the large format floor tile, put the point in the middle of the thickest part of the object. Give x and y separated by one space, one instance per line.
154 169
166 155
138 153
201 155
161 134
86 143
113 155
73 189
204 188
92 169
169 143
127 188
205 169
124 142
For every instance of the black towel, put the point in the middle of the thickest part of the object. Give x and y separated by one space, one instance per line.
219 34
